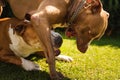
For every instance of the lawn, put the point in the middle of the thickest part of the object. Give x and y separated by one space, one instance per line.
100 62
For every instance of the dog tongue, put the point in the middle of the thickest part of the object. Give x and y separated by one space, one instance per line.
57 52
70 32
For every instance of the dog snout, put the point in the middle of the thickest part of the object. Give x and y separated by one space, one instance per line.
83 48
56 39
107 14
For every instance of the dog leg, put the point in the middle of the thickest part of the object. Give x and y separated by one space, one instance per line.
64 58
29 65
42 28
57 57
9 57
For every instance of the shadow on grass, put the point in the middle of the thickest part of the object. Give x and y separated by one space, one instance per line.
113 41
13 72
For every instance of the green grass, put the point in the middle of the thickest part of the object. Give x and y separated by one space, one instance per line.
100 62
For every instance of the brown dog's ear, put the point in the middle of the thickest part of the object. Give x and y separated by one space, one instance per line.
94 2
95 5
19 29
89 1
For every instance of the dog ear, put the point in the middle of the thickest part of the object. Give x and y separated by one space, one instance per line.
95 5
89 1
19 29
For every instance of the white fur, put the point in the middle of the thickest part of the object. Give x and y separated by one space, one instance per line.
29 65
19 47
64 58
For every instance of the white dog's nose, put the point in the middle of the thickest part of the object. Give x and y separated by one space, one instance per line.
56 39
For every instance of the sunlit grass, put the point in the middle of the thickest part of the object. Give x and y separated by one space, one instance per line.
100 62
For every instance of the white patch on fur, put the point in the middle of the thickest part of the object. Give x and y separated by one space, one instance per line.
29 65
52 10
64 58
19 47
26 21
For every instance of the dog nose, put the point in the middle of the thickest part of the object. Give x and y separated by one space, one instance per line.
107 14
56 39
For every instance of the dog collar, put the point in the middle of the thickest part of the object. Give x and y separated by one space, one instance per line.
76 12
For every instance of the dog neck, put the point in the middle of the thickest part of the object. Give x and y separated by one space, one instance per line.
73 10
20 47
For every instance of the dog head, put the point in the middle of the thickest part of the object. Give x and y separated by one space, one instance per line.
90 24
26 31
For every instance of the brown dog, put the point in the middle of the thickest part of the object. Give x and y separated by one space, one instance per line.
86 17
18 40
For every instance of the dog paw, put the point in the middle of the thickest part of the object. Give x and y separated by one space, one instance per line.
58 76
29 65
64 58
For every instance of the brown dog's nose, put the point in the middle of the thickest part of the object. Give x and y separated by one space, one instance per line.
107 14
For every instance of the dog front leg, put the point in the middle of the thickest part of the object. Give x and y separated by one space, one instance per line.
42 28
9 57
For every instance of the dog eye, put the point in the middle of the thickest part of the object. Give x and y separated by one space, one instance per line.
20 28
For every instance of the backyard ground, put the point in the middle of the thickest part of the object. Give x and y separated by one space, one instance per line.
100 62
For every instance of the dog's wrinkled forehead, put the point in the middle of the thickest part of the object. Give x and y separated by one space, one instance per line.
25 29
21 27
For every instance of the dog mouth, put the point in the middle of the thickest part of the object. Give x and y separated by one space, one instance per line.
82 45
82 48
57 52
56 41
70 32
